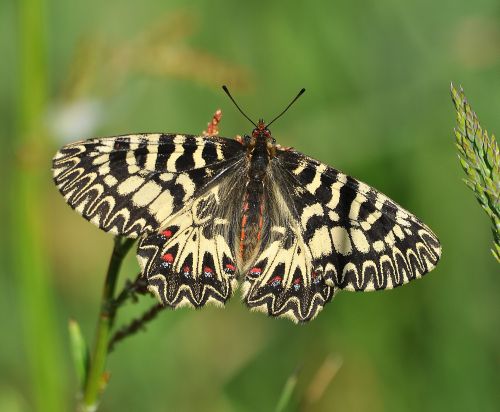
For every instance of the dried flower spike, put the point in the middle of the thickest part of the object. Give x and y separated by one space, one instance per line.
213 126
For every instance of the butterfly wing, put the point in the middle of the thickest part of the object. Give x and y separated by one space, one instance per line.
283 281
129 185
349 236
372 242
191 260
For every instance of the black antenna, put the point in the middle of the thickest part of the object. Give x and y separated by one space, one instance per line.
236 104
286 108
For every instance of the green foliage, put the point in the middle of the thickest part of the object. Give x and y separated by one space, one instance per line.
41 340
480 158
287 392
79 351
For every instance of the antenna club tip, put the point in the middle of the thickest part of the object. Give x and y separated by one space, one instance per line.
302 90
224 87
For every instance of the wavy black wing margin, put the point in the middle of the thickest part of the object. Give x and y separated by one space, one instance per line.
128 185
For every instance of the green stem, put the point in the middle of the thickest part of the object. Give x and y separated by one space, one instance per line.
287 392
136 325
31 268
96 378
131 290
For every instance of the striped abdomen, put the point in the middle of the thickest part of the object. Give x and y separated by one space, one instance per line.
253 202
251 219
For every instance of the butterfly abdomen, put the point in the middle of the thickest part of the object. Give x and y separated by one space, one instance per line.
251 219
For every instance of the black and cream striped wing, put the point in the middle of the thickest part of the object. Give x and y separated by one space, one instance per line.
191 260
283 281
129 185
346 235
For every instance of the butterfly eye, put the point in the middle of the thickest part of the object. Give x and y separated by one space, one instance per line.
273 140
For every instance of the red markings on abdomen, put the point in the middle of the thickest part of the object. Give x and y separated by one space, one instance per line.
244 219
251 221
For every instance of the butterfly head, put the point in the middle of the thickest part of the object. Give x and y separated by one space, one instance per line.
262 134
261 131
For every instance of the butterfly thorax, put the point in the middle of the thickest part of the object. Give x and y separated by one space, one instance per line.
260 149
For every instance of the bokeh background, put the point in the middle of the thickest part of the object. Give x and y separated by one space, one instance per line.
377 107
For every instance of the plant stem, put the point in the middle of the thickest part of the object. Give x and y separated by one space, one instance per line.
287 392
135 325
96 378
131 290
27 178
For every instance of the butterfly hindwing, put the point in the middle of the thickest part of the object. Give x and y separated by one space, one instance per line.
129 185
283 281
191 260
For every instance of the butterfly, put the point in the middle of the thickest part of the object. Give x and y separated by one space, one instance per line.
211 213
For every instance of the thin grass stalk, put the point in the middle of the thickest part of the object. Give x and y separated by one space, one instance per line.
31 268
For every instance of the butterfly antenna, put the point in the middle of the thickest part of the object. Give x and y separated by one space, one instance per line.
236 104
286 108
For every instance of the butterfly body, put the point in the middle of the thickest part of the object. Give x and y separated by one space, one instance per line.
260 149
212 213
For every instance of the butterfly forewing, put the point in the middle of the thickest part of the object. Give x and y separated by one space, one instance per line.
358 236
129 185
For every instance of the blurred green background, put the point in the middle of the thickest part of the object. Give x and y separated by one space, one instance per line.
377 107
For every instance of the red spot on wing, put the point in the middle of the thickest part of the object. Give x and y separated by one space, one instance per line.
255 271
168 257
296 284
207 269
275 281
167 233
316 277
230 267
